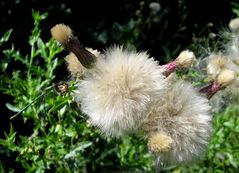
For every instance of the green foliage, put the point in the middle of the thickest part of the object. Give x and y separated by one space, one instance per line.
56 136
224 145
5 37
26 85
235 8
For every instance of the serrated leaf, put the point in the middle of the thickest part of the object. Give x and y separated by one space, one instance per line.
41 48
62 110
236 11
81 146
5 37
58 129
3 142
58 105
70 132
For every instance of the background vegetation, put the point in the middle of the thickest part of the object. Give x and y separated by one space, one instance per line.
49 134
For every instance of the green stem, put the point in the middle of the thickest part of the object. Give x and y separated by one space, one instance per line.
29 77
27 106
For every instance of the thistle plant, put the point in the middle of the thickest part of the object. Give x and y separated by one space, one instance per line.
117 93
124 92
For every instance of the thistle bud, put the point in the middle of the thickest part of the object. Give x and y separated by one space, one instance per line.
226 77
185 59
234 24
216 63
74 66
64 35
159 142
61 33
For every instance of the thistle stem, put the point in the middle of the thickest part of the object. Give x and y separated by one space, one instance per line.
210 90
169 68
27 106
85 57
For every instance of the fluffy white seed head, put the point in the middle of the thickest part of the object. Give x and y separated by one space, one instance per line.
119 92
154 7
232 50
236 60
185 59
74 66
184 116
159 142
234 24
216 63
226 77
61 33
